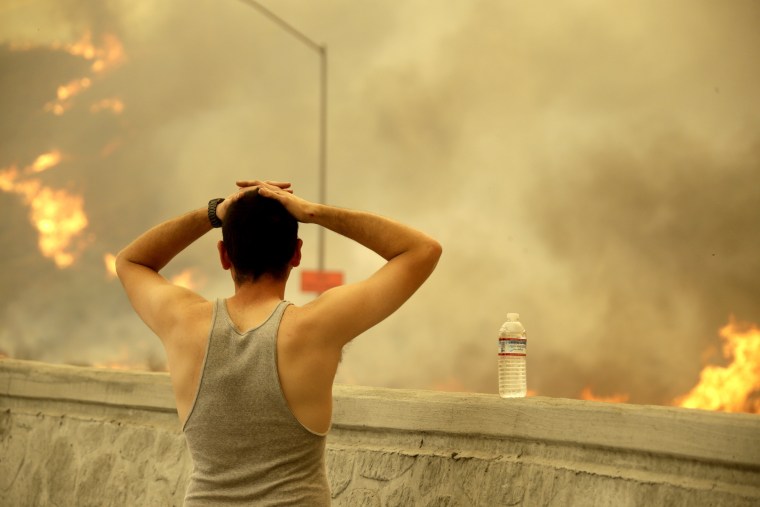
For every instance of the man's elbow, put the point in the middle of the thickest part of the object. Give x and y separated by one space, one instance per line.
433 251
120 264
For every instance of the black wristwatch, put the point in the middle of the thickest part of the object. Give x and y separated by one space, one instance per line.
212 204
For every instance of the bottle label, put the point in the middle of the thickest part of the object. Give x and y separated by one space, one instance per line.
513 347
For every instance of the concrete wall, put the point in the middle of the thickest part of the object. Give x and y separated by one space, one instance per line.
81 436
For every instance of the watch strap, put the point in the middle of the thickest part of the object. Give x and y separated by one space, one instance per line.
212 204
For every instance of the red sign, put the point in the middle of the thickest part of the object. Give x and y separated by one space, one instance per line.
320 281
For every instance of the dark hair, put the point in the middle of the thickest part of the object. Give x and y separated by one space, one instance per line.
260 237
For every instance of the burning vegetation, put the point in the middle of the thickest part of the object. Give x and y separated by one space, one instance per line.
59 215
734 387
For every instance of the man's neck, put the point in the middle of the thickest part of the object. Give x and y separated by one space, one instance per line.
266 288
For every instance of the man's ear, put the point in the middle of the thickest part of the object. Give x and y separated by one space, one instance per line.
223 257
295 261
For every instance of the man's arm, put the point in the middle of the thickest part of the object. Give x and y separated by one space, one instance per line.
344 312
159 303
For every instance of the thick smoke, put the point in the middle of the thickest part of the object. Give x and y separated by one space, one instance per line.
593 167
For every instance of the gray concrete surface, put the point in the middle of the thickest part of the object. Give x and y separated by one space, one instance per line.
81 436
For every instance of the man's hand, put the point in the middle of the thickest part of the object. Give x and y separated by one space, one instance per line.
301 209
250 186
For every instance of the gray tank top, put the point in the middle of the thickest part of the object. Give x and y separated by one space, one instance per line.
247 446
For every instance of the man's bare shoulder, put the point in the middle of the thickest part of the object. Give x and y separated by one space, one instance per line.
193 322
301 324
294 319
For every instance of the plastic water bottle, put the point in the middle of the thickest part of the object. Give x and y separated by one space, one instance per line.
513 343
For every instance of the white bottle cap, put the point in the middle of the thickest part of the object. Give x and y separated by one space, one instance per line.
514 317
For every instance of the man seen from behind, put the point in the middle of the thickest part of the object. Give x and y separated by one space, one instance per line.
252 374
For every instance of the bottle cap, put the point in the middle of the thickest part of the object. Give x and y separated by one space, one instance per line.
514 317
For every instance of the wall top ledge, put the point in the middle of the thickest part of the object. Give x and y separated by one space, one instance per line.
708 436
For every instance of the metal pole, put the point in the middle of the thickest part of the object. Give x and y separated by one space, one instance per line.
322 151
284 24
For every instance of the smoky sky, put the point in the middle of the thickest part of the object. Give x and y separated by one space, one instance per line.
592 166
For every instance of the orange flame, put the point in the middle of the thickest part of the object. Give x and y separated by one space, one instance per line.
185 279
114 105
587 395
107 55
57 215
64 95
114 365
109 260
83 47
451 384
75 86
735 387
110 54
46 161
109 148
124 358
7 178
127 364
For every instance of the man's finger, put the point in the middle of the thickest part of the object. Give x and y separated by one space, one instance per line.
268 192
247 183
255 183
275 186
